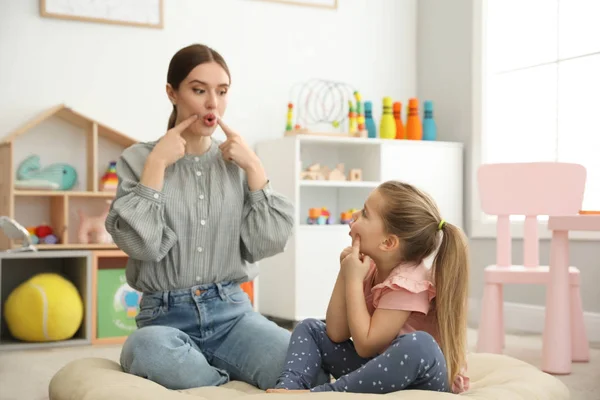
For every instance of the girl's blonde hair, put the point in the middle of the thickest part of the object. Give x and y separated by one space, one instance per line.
413 216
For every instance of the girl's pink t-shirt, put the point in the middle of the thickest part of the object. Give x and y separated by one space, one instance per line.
409 288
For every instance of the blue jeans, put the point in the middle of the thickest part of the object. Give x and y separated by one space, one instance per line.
204 336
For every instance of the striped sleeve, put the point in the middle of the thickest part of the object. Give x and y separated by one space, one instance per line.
135 220
267 224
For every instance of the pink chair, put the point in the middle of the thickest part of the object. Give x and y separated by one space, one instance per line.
530 190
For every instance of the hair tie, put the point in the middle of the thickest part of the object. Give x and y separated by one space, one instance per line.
441 225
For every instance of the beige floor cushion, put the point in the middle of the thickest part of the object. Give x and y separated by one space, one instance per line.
492 377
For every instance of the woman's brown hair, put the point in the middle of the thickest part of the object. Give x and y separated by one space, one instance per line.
184 61
413 216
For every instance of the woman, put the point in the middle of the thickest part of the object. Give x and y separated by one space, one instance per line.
189 212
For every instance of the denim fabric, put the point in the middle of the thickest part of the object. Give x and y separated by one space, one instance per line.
204 336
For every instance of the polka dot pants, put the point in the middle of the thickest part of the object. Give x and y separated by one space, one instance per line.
413 361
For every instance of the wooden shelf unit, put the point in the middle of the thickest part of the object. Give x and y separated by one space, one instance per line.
59 201
96 264
16 268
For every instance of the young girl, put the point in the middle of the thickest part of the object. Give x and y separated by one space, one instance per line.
193 214
407 323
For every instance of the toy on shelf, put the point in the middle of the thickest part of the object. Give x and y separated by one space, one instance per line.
42 234
92 229
355 175
15 231
400 134
316 172
352 117
369 121
109 181
387 126
30 175
414 128
429 127
117 304
360 115
320 107
290 117
46 307
319 216
346 216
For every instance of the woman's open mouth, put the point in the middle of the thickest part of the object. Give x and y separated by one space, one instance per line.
210 119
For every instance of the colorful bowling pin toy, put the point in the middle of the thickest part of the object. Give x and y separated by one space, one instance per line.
387 126
400 134
369 121
414 129
429 127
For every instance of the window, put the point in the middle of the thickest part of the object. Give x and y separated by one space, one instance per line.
538 85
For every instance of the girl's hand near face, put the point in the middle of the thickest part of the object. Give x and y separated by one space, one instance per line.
355 267
345 253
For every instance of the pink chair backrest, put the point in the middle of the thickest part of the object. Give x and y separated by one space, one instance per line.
532 190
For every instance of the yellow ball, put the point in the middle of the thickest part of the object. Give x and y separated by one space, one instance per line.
47 307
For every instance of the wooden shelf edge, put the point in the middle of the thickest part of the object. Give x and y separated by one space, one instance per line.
110 340
109 253
73 246
67 193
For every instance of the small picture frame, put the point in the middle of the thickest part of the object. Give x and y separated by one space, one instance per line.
139 13
330 4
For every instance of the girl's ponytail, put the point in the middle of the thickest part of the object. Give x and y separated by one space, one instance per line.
451 276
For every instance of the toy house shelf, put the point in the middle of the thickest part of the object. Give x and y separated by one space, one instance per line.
59 135
308 267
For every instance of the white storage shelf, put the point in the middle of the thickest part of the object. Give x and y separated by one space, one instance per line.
297 283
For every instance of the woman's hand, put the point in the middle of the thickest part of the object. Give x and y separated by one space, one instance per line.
237 150
171 147
355 267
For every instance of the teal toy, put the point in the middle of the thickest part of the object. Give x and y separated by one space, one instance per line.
369 121
57 176
429 127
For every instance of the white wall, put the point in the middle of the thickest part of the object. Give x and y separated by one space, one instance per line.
117 74
445 44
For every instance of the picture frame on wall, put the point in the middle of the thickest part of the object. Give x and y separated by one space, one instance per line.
331 4
138 13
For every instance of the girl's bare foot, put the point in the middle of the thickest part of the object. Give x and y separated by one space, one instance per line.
286 391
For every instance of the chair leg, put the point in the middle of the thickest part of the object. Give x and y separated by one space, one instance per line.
580 348
491 335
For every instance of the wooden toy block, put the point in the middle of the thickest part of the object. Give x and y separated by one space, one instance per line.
337 174
355 174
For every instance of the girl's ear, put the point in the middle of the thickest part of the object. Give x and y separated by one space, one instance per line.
390 243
